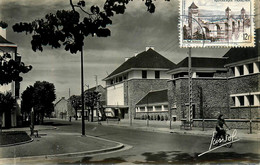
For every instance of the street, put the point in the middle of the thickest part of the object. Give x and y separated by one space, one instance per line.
162 148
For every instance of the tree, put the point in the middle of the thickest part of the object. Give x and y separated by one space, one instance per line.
10 69
43 97
40 97
7 103
91 100
75 102
65 26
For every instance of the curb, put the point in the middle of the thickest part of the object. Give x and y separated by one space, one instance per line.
14 144
75 154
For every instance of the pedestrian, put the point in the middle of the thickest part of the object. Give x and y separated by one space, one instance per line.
70 118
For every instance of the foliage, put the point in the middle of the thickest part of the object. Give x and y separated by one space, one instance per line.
75 102
27 99
91 99
10 69
7 102
40 96
67 28
3 24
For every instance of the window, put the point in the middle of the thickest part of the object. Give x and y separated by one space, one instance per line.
158 108
250 68
142 109
165 107
111 81
125 77
251 99
241 100
241 70
144 74
150 108
157 74
120 79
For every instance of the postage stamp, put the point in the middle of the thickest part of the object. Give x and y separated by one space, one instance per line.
216 23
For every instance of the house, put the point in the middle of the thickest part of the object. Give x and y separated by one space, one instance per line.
154 106
61 108
133 79
10 118
209 86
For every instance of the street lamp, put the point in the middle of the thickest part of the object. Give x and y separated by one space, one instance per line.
82 94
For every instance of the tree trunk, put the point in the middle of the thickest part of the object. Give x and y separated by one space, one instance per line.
92 114
41 116
76 114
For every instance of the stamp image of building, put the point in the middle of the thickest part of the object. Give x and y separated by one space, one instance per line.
225 27
131 81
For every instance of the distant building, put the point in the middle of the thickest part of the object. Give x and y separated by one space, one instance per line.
61 108
133 79
10 118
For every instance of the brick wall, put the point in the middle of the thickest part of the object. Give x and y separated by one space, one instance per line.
138 88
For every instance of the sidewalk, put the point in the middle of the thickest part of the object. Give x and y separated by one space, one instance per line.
54 143
164 127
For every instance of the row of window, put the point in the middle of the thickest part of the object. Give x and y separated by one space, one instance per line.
246 100
156 74
246 69
118 79
152 108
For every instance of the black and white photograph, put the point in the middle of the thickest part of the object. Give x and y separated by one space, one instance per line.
107 82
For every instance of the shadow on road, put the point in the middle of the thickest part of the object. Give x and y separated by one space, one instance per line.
55 124
87 160
177 157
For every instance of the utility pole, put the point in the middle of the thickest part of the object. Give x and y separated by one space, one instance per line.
82 94
190 115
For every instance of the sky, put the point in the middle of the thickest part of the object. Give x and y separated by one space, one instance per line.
130 34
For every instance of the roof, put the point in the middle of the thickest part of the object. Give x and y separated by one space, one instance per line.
146 59
63 98
153 97
203 62
193 6
241 54
4 41
93 89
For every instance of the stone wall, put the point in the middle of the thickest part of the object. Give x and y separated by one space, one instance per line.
209 97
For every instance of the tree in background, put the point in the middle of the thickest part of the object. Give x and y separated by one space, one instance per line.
91 99
40 97
7 104
75 102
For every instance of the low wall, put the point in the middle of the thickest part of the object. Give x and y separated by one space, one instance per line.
232 123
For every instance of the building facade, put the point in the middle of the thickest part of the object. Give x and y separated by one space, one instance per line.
132 80
61 109
10 118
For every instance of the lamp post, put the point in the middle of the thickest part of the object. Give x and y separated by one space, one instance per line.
82 94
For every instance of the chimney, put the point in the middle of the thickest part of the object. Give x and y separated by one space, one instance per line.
149 47
3 32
